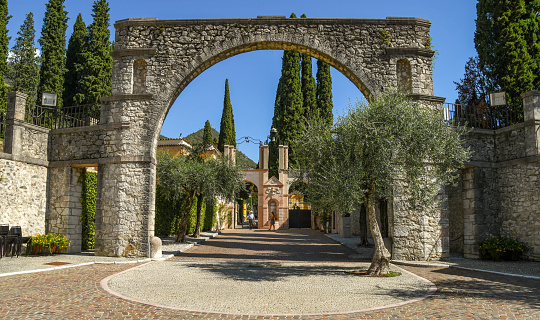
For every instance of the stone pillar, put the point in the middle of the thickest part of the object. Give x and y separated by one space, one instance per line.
125 208
230 151
263 161
65 210
16 107
531 112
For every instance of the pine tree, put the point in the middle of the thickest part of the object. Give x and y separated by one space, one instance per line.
207 135
23 73
77 46
97 70
309 87
53 50
4 42
324 91
508 46
227 134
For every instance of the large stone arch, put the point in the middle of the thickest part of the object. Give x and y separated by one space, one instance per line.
173 53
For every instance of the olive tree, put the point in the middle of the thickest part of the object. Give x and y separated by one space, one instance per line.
374 148
184 177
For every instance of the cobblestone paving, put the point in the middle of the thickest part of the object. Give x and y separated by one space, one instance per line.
76 294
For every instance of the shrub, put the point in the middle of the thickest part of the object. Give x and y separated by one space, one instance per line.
88 202
55 242
505 248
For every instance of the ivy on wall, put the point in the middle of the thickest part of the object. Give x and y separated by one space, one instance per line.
88 202
210 215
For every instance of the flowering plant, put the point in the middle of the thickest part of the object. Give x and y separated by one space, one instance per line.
503 248
54 241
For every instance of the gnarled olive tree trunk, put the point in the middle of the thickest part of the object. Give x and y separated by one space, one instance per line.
380 264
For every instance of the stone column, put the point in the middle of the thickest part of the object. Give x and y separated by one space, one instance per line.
16 107
531 112
125 208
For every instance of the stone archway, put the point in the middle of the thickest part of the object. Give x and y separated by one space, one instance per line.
154 60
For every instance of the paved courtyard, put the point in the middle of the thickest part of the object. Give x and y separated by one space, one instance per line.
78 292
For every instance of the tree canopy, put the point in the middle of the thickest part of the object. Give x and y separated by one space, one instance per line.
4 43
75 60
53 50
508 46
184 177
227 133
373 149
23 73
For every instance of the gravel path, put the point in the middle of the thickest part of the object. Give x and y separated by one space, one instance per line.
265 287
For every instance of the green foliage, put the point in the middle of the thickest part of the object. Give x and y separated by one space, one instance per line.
77 46
505 248
207 136
227 133
4 43
324 92
193 216
508 46
53 50
97 70
88 202
23 73
185 177
385 36
374 143
167 213
472 89
309 88
273 159
210 215
288 108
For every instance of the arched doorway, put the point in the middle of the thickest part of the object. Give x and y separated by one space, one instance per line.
132 117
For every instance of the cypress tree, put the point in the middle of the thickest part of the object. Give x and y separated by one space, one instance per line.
4 42
309 87
288 109
207 135
53 50
506 40
324 91
97 71
23 64
77 46
227 134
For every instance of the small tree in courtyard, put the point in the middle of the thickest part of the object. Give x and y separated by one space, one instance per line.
391 142
187 176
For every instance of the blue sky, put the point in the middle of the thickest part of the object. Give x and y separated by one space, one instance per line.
253 76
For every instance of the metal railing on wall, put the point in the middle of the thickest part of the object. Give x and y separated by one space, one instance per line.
482 117
66 117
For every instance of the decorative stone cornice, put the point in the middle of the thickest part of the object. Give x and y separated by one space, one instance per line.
427 98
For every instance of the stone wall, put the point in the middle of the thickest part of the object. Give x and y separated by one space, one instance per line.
519 196
23 190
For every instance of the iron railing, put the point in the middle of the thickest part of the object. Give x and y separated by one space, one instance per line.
482 117
66 117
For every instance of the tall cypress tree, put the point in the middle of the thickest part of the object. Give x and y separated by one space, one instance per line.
53 49
97 71
4 42
508 46
309 87
324 91
77 46
288 109
207 135
23 72
227 134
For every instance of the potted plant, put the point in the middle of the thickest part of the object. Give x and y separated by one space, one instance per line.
49 243
502 248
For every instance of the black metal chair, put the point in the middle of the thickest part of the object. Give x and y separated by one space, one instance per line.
14 240
4 231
